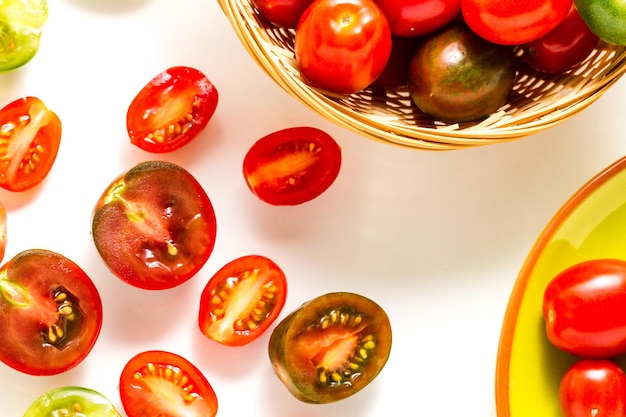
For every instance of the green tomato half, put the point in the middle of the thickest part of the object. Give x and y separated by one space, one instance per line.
72 402
21 22
605 18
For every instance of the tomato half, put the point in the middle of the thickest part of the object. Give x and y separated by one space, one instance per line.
593 388
242 300
171 110
159 383
50 313
292 166
3 231
331 347
583 309
418 17
154 226
282 13
606 18
72 402
30 135
342 45
514 22
21 22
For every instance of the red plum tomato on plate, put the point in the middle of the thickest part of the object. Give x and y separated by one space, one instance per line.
513 22
562 49
30 135
72 401
331 347
242 300
583 309
50 313
292 166
606 18
418 17
593 388
171 110
282 13
342 46
154 226
161 383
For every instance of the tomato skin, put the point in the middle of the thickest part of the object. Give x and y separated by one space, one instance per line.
242 300
512 22
606 18
292 166
165 384
564 47
593 387
396 72
342 46
282 13
58 401
30 135
418 17
583 309
171 110
42 292
21 24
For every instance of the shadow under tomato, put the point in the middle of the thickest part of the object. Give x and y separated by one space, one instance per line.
110 6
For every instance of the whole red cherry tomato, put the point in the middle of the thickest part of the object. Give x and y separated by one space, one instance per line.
593 388
514 22
418 17
583 309
342 45
564 47
282 13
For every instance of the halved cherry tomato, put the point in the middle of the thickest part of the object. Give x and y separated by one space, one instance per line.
3 231
159 383
418 17
292 166
342 45
331 347
154 226
30 135
242 300
72 402
21 22
282 13
171 110
50 313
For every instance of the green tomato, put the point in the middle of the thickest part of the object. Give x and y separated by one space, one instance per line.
72 402
20 31
605 18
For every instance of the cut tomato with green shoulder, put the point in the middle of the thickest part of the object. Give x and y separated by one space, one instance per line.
30 135
331 347
242 300
160 383
171 110
154 226
21 22
50 313
72 401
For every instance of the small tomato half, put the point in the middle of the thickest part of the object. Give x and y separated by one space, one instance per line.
21 23
71 401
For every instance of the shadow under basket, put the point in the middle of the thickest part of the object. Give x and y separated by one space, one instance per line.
538 100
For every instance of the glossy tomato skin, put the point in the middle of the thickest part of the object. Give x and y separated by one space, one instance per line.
282 13
292 166
154 226
72 401
593 388
418 17
583 309
565 47
161 383
513 22
242 300
50 313
331 347
606 18
171 110
30 135
342 46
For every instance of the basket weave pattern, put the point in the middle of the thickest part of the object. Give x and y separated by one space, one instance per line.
538 101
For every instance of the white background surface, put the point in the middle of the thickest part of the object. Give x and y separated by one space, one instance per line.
437 239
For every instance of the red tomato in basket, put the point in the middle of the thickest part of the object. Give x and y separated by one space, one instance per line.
593 388
282 13
418 17
514 22
583 309
342 46
564 47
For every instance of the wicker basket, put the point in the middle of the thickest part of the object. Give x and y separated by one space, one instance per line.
538 100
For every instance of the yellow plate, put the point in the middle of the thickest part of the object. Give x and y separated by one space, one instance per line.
591 224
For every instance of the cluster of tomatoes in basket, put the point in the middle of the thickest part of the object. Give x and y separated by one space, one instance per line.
458 58
583 310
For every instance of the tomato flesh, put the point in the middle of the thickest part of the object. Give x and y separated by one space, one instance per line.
50 313
160 383
21 22
242 300
30 136
71 401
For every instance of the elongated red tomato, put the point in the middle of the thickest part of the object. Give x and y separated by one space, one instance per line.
171 110
418 17
30 135
160 383
292 166
242 300
583 309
